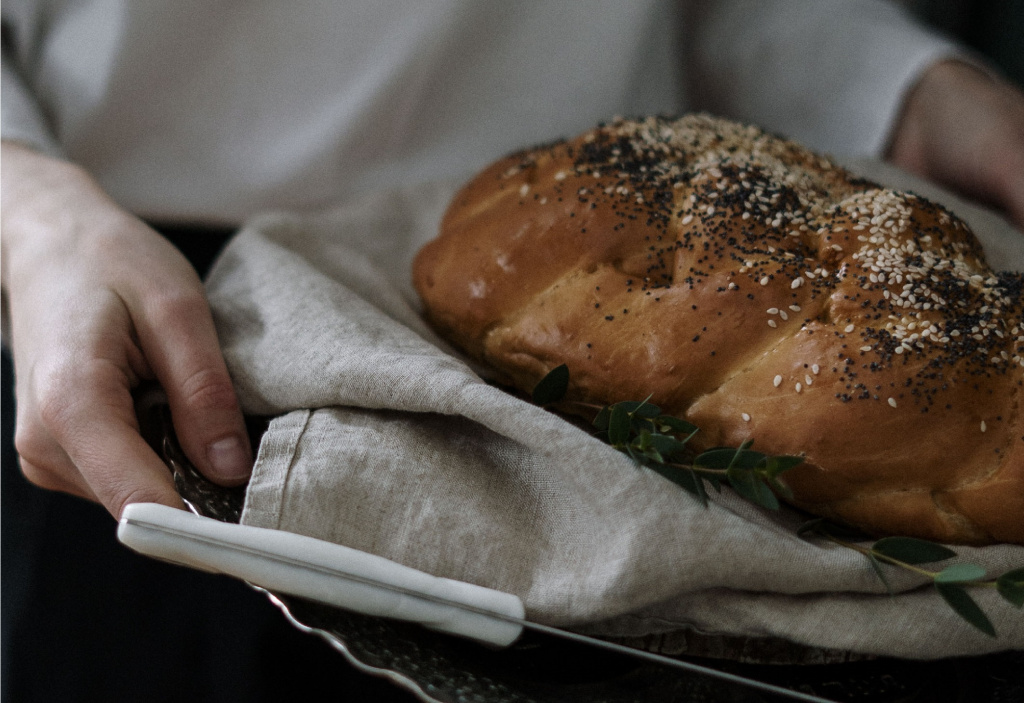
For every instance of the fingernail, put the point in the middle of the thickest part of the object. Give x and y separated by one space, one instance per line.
229 459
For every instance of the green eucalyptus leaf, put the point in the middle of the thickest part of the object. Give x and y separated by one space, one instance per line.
668 446
779 464
961 602
1015 575
647 410
743 482
765 497
685 479
552 388
667 423
877 567
717 458
640 442
654 455
780 488
618 425
727 457
603 416
639 408
749 460
641 424
702 492
960 573
714 480
910 550
1011 587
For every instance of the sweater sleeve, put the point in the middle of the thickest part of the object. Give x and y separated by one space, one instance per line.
21 118
829 73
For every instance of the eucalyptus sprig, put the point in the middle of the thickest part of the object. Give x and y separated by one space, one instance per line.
909 553
659 441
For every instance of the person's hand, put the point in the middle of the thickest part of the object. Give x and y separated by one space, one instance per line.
98 301
965 129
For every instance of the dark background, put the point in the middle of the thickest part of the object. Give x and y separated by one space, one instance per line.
993 28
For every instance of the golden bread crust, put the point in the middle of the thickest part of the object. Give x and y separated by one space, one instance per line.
761 292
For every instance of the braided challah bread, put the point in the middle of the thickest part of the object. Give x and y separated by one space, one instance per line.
761 292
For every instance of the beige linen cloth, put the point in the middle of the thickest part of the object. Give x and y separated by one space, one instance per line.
386 441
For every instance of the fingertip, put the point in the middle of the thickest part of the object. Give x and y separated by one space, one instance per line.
207 418
211 428
230 460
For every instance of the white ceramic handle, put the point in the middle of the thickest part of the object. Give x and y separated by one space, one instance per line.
321 571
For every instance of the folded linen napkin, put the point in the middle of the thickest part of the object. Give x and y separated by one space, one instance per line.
386 441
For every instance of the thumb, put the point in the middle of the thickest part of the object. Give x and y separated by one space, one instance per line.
180 343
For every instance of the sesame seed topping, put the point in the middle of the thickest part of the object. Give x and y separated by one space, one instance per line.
892 402
746 417
983 426
918 306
